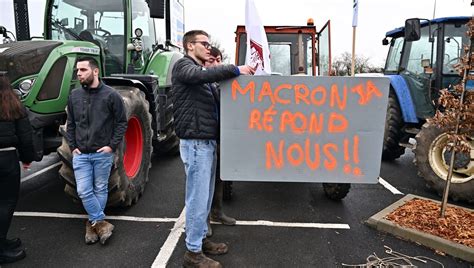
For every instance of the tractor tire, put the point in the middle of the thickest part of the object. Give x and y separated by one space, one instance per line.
393 130
336 191
170 145
132 161
429 158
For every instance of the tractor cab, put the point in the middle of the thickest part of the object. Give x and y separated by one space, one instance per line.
294 50
424 54
105 23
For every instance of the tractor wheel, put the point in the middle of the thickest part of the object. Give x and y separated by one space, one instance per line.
336 191
393 130
170 145
132 161
432 159
228 191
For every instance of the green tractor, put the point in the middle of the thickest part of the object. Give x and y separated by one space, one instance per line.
121 36
421 61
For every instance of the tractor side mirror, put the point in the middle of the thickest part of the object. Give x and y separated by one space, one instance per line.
412 29
157 8
64 22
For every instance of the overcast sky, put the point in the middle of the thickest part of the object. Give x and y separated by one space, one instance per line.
220 18
376 17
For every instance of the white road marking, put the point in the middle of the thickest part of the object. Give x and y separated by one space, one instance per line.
389 187
170 244
295 224
37 173
82 216
180 220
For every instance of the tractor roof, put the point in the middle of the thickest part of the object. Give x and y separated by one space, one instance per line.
397 32
309 29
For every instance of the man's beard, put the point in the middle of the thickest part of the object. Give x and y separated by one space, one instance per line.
87 81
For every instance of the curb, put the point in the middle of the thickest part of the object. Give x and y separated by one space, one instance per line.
379 222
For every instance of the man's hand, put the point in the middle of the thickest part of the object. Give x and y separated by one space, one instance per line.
26 166
105 149
76 151
246 69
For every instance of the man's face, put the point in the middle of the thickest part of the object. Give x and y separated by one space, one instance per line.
199 48
213 61
85 74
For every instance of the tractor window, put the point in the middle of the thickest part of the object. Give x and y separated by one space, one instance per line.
141 19
99 22
100 18
281 58
66 21
419 50
324 51
394 55
309 58
454 38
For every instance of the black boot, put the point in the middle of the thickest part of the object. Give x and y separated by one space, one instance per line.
216 212
9 249
209 228
11 255
10 243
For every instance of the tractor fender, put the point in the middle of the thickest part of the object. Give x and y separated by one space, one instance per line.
405 100
161 65
127 80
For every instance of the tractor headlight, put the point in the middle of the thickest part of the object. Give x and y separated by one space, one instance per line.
25 86
17 92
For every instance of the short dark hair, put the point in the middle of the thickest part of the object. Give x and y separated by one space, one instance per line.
92 62
215 52
191 36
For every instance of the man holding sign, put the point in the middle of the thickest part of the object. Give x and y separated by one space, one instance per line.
197 125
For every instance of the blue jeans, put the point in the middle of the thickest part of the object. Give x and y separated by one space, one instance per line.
199 158
92 179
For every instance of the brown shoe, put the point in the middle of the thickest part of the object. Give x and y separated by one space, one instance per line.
222 218
211 248
103 229
91 236
200 260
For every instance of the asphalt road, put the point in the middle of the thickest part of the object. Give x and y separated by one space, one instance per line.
279 224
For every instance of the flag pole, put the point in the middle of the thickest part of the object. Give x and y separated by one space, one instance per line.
353 50
355 11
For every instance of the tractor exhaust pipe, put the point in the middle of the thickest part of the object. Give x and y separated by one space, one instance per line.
21 20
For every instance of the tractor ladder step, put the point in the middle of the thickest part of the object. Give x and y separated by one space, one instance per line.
412 130
407 145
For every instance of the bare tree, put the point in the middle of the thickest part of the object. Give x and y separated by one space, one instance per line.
342 65
218 45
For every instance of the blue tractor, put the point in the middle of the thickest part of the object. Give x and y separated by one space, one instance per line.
421 61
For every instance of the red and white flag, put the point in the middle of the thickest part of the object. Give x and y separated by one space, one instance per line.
258 52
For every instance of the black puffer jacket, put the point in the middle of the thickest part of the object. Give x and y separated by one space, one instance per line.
194 100
18 134
96 118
